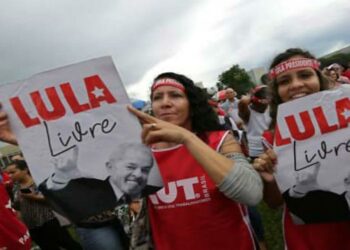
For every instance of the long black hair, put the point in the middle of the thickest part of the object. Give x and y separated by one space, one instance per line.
203 117
21 164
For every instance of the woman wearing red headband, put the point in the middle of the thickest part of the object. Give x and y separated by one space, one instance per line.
205 174
295 74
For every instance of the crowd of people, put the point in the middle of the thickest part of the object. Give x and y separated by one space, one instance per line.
215 164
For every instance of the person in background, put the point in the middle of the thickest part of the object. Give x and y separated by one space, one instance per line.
286 86
207 178
332 76
225 120
230 106
140 234
7 182
229 124
43 226
254 112
339 69
264 79
13 233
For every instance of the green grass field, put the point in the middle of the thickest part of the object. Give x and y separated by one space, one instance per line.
273 227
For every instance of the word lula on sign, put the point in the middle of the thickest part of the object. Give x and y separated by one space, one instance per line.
96 91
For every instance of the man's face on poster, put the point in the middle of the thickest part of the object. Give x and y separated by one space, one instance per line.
130 172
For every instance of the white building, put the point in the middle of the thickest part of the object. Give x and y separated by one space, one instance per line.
255 74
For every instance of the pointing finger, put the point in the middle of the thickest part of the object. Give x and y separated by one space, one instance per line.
148 128
142 116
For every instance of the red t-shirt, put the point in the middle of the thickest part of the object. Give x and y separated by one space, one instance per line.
13 233
190 212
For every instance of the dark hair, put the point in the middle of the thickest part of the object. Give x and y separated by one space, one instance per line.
20 164
261 93
265 79
276 100
203 117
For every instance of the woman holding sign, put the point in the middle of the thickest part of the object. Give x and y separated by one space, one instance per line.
295 74
205 174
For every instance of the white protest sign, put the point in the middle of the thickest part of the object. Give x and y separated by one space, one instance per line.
72 124
312 142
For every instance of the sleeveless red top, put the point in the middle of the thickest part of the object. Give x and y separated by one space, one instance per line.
190 212
322 236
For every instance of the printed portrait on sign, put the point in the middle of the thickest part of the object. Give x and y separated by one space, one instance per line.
82 146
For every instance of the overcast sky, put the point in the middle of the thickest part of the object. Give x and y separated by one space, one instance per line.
199 38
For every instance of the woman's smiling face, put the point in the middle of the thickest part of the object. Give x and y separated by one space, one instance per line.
296 83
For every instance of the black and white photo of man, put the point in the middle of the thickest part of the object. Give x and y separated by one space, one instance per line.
77 197
129 169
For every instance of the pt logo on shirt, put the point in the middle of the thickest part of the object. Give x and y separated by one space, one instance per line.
182 192
24 238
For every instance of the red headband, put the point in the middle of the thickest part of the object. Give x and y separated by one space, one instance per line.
293 64
167 82
256 99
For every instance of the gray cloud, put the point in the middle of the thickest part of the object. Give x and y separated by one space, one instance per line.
38 36
197 38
